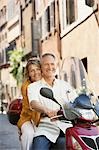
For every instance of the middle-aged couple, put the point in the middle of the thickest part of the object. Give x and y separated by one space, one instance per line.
48 134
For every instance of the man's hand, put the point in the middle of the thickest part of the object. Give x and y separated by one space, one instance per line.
50 113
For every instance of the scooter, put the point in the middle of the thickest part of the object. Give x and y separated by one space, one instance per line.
84 134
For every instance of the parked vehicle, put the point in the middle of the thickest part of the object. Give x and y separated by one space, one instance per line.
84 134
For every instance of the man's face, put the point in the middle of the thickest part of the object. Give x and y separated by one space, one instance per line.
48 66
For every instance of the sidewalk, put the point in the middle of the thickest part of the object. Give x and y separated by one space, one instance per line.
9 139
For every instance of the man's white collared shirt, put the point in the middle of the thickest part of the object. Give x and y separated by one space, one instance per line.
51 129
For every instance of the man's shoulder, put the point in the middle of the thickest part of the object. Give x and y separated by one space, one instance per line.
61 81
34 84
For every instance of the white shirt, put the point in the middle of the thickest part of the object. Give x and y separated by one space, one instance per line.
51 129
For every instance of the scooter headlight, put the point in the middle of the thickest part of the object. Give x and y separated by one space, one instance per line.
76 145
87 114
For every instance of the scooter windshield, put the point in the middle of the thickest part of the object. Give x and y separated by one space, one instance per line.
74 71
83 101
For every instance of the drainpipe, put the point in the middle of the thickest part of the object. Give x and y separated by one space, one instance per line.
58 36
58 30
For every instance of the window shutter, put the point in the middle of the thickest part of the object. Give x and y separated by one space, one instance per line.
35 37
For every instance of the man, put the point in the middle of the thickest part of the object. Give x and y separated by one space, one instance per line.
49 132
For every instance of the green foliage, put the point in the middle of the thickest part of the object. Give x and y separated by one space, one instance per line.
15 58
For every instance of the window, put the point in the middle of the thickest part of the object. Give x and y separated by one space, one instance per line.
73 12
48 20
70 11
45 22
37 6
3 16
44 26
64 13
52 15
13 9
90 3
35 36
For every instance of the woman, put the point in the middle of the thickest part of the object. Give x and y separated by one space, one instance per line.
29 119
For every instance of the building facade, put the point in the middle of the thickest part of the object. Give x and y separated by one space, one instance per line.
18 30
80 35
66 28
71 29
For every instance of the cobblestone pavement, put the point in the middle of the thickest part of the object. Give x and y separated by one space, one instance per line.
9 139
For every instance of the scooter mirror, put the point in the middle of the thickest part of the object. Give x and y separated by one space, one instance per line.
48 93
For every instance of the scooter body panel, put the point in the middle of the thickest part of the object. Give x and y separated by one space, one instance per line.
87 138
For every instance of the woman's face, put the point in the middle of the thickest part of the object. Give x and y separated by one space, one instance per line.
34 72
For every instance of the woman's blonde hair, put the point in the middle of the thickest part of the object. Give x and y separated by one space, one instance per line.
31 61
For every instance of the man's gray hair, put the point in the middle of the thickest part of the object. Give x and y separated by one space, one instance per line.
48 54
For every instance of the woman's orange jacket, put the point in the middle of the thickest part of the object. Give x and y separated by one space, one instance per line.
26 113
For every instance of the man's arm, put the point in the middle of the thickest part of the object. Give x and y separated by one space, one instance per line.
33 96
37 106
40 108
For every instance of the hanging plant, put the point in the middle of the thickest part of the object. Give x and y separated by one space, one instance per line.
15 58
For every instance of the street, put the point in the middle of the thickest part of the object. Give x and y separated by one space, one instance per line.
9 139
